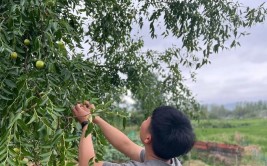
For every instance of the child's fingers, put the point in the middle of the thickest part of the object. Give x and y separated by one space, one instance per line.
88 105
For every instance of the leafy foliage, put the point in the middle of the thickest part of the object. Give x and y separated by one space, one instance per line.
203 26
242 110
35 118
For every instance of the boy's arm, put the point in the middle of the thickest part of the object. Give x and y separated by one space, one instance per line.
86 147
119 140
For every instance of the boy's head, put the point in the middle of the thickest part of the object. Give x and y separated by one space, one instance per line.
171 132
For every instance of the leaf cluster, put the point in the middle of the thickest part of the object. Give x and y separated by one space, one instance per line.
89 51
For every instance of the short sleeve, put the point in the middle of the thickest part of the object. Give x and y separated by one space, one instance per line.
130 163
142 155
121 164
110 164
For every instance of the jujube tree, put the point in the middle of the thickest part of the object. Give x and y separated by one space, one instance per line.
55 53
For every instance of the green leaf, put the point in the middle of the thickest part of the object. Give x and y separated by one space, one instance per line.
44 101
3 151
11 162
44 155
28 100
72 138
108 104
4 138
7 91
59 109
2 158
46 147
34 117
46 122
198 66
22 2
23 125
19 50
11 152
94 100
89 129
15 118
5 98
57 136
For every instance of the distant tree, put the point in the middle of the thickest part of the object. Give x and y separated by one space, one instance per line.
204 112
218 112
250 109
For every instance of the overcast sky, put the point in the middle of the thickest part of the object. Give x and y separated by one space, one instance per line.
239 74
236 75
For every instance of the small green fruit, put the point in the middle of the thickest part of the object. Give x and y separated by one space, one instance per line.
61 44
39 64
50 3
16 150
27 42
13 55
130 16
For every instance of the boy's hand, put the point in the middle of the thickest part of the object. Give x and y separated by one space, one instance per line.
82 111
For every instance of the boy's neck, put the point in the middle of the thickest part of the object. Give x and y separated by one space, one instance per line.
150 155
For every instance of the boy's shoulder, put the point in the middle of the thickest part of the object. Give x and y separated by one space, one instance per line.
175 162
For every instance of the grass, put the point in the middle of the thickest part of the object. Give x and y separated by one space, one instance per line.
242 132
235 131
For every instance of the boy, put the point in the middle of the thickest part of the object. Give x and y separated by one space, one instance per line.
166 134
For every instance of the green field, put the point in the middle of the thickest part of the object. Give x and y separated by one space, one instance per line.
243 132
238 131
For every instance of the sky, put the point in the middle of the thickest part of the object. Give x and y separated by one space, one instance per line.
235 75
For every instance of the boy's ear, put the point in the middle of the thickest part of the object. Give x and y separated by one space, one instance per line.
148 139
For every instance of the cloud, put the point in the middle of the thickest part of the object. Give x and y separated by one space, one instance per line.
228 88
236 75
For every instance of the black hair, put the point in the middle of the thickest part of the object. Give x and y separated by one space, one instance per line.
172 133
